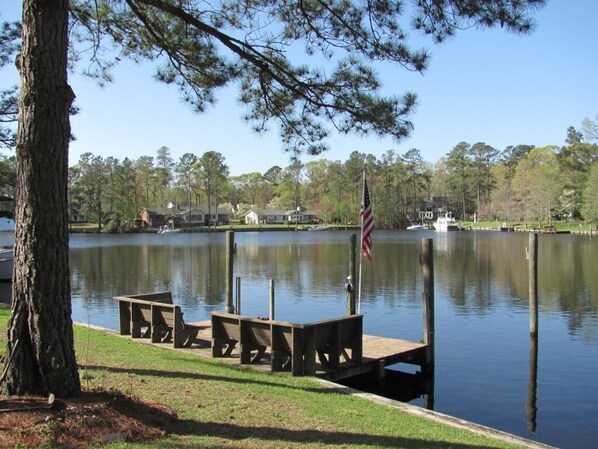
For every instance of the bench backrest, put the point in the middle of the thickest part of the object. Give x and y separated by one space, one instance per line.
226 325
162 320
165 297
138 310
141 312
164 314
256 332
345 329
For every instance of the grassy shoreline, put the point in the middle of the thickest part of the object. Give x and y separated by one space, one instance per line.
559 226
223 406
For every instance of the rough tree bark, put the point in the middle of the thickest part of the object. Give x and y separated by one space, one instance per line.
40 356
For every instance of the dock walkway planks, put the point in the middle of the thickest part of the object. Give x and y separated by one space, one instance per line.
379 352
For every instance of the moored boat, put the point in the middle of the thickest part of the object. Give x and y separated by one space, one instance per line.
417 227
318 228
446 222
169 230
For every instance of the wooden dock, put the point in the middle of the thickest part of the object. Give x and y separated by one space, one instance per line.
378 353
332 349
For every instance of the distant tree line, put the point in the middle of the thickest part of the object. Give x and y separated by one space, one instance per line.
520 183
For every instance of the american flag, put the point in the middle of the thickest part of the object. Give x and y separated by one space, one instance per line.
367 222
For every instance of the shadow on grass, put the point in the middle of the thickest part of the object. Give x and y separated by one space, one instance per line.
327 438
162 374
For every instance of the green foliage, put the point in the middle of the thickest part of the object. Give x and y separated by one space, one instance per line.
290 186
113 225
525 183
590 129
590 195
8 175
459 166
212 174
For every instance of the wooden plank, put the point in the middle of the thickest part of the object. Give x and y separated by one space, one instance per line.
165 297
226 333
256 335
141 317
124 316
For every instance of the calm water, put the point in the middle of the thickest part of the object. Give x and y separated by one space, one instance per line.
486 371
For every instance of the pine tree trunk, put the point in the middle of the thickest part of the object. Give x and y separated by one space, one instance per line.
40 356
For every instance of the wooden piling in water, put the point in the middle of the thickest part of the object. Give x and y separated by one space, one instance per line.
380 372
230 248
238 295
532 254
272 310
427 261
531 408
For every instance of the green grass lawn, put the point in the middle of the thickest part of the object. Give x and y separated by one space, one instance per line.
224 406
558 225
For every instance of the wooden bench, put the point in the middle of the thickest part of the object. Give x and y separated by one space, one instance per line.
154 316
329 340
136 321
292 346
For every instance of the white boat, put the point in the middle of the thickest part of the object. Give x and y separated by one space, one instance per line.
318 228
169 231
417 227
6 255
446 222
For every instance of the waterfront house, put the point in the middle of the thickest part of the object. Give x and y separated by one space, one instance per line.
433 208
194 216
155 217
267 216
199 216
277 216
299 216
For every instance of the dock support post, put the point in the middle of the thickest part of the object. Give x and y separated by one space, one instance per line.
271 299
230 248
380 370
532 255
238 295
531 409
351 282
427 261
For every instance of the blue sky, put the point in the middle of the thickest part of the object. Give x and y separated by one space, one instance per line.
482 86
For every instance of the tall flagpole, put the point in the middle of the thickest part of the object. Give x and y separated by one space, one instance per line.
359 294
367 227
361 244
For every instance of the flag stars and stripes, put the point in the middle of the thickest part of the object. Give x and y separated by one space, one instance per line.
367 223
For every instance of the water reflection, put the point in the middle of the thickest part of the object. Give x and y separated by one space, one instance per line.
478 274
487 370
398 383
531 408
